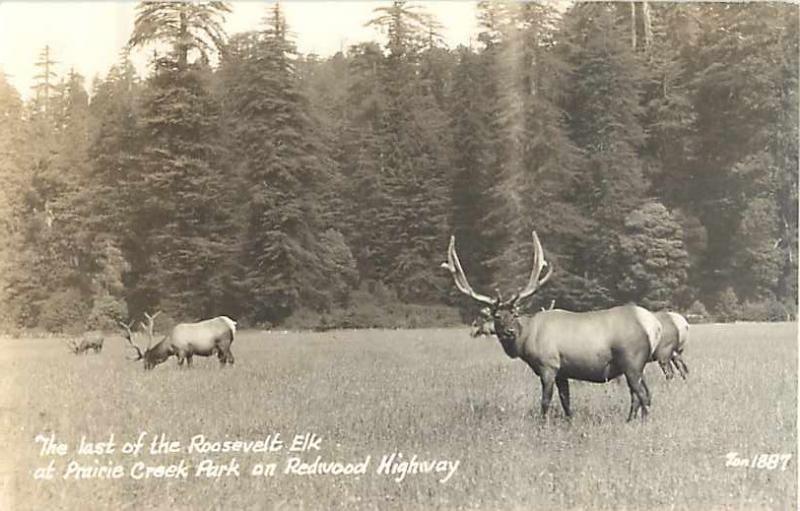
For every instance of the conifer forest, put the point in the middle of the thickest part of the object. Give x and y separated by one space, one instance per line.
653 146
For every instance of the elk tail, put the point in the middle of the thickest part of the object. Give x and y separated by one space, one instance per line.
651 325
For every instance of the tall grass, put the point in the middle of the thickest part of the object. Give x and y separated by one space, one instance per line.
434 393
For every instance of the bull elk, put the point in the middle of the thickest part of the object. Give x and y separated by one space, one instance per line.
204 338
669 351
89 341
559 345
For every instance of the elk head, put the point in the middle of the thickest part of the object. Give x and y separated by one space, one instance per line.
151 355
505 313
73 346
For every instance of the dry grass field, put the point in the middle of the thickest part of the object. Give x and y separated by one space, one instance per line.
438 394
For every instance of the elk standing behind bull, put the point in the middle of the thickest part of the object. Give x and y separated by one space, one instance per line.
204 338
559 345
483 324
673 341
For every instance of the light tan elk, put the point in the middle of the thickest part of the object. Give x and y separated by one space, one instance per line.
560 345
669 351
204 338
89 341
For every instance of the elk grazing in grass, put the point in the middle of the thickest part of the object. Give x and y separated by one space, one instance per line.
560 345
669 351
204 338
152 355
89 341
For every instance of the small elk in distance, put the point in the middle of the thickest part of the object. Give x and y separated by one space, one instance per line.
559 345
204 338
89 341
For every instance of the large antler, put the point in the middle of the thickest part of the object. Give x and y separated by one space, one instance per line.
151 321
454 266
129 337
539 263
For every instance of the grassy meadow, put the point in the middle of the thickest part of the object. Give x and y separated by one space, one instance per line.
437 394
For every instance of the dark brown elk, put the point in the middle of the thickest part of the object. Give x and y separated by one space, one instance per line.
89 341
559 345
204 338
152 355
669 351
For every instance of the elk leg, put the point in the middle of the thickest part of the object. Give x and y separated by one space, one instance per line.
639 396
677 359
634 409
188 360
648 397
563 394
179 356
547 391
683 365
666 367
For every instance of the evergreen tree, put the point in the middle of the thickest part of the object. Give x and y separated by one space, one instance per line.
670 115
412 158
182 232
758 260
109 212
653 258
360 159
747 126
190 27
470 192
533 162
45 86
291 261
605 119
14 297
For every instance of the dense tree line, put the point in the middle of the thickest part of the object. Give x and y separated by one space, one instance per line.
653 146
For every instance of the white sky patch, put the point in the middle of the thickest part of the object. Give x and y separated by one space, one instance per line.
88 36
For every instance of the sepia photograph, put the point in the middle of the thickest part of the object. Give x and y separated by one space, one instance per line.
399 255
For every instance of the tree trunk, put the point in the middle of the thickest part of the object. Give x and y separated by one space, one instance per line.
183 48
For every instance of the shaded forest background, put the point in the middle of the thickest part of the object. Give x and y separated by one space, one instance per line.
654 147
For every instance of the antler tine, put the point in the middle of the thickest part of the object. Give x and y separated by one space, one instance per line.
151 321
534 282
126 327
454 266
129 338
451 267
